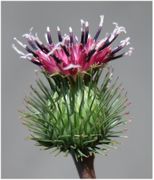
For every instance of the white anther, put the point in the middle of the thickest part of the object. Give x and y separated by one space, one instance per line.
82 22
111 37
116 31
36 35
27 56
28 36
17 50
31 29
76 38
19 42
116 24
101 20
87 24
119 29
58 28
48 29
57 46
66 38
46 37
70 30
125 42
129 52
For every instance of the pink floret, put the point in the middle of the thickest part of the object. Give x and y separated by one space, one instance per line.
71 56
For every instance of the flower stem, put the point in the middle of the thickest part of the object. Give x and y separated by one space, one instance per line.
85 167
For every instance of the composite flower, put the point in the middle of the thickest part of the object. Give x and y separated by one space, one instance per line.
72 55
76 107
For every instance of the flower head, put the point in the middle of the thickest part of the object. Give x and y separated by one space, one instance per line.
71 55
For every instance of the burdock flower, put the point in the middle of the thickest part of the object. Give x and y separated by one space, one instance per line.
75 111
70 55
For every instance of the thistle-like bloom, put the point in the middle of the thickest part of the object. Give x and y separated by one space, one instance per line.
73 111
70 55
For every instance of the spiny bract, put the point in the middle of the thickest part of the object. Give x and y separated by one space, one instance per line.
76 116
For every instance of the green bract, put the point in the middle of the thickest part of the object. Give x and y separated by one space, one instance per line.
76 116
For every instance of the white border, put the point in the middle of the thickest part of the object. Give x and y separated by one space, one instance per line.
152 75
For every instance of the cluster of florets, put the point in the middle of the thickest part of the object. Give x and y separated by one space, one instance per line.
70 55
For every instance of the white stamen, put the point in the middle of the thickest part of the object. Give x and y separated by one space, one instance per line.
76 38
82 25
70 66
46 38
87 24
82 22
28 36
111 37
119 29
48 29
101 20
116 31
58 28
19 42
17 50
116 24
27 56
36 35
31 29
129 52
54 49
131 48
66 39
125 42
70 30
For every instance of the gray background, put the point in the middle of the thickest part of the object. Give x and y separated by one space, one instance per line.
133 158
